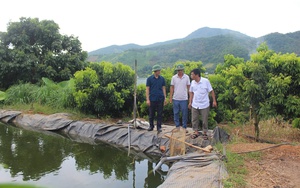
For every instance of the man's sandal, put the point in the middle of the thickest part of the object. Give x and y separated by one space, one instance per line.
205 137
193 136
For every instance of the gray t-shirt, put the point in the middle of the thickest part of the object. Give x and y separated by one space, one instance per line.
180 86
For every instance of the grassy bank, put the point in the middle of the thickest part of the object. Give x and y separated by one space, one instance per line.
36 108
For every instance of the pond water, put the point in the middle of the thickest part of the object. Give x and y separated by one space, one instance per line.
53 161
141 81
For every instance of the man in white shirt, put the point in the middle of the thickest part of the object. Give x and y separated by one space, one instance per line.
179 89
199 101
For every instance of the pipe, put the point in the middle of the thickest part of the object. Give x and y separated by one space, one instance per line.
174 158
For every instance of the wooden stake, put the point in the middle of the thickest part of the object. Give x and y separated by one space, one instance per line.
135 88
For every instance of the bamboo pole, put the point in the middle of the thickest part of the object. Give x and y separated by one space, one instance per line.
135 83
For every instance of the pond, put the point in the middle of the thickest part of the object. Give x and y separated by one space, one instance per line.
141 81
49 160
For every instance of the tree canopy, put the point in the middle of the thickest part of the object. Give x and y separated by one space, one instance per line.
266 85
104 89
32 49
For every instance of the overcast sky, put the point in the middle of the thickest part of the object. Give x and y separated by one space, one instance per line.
101 23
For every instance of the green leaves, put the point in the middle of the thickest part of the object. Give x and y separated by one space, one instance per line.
32 49
268 82
104 89
2 95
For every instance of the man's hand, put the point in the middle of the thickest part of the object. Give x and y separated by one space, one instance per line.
190 106
215 104
165 103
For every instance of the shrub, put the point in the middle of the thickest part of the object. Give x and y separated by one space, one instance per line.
296 123
21 94
105 89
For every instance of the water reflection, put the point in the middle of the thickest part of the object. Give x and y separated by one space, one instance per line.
50 160
153 179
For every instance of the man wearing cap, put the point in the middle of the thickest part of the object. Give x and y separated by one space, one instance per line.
155 96
179 89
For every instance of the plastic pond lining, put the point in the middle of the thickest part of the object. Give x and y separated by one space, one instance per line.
194 169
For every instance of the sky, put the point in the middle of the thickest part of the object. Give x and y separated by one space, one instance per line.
101 23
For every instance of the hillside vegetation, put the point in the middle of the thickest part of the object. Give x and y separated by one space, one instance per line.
37 70
208 45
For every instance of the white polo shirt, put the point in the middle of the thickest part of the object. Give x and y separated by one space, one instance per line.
201 92
180 86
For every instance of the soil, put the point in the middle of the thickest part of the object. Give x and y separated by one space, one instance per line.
278 167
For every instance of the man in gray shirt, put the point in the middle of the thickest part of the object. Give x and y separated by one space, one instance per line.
179 89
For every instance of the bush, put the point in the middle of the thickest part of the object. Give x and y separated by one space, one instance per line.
105 89
21 94
296 123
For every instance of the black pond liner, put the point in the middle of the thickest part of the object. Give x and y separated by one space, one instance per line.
193 169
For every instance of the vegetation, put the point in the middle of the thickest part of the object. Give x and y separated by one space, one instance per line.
208 45
265 86
17 185
284 43
105 89
296 123
190 50
32 49
44 72
274 130
262 87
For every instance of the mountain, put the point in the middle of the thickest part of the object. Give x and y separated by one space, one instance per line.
204 32
114 49
208 45
207 32
284 43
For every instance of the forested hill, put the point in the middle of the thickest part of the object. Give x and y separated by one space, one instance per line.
284 43
208 45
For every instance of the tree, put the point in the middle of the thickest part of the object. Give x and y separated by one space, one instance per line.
267 84
227 85
105 89
32 49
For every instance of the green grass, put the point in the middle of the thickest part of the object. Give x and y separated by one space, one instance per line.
275 130
36 108
15 185
236 169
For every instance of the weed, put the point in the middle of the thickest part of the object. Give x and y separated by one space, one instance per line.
296 123
275 131
234 164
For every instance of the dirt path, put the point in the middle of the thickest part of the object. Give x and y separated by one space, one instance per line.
279 167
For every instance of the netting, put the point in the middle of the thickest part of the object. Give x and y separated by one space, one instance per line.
177 139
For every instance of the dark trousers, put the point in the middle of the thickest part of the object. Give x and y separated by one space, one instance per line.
156 106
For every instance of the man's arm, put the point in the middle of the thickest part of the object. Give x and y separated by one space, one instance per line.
147 95
214 98
191 94
171 93
165 93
